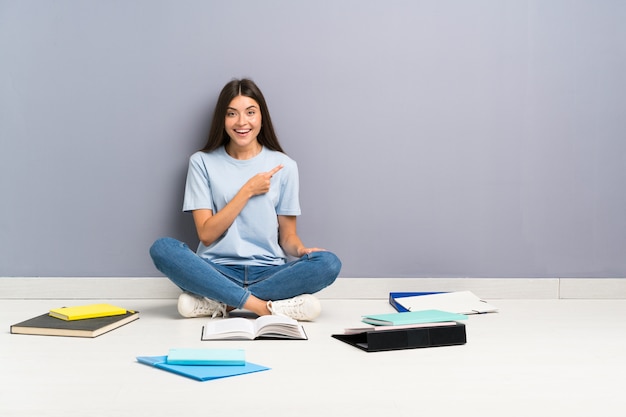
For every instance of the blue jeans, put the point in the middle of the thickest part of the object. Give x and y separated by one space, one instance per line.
233 284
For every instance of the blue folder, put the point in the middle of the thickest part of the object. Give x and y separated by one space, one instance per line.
201 372
394 296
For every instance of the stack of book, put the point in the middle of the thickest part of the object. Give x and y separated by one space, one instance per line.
423 319
90 320
203 364
406 330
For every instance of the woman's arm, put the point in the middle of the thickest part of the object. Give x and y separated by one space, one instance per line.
211 226
289 239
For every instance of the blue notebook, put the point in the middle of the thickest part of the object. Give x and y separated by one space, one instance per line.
222 357
201 372
412 317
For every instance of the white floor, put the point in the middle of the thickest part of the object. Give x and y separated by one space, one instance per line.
533 358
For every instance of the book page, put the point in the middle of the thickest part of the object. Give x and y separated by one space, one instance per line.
233 328
273 319
279 326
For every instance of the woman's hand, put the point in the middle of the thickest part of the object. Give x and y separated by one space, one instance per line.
260 183
305 251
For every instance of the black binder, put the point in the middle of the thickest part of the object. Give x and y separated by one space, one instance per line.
421 337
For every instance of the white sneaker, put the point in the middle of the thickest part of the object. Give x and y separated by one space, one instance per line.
190 305
303 307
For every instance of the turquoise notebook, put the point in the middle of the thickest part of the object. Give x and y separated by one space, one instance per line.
200 372
219 357
412 317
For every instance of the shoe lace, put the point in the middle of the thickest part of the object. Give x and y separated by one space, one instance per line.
207 306
291 308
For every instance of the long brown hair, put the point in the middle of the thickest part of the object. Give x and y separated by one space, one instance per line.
247 88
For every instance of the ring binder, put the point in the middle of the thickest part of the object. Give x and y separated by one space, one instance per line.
422 337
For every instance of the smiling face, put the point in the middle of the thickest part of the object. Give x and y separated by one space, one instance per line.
243 124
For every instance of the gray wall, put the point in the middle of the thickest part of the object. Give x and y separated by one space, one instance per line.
434 138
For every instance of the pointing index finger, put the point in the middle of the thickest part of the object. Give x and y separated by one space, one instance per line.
275 170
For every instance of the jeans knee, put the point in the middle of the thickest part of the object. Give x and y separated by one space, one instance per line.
331 262
161 247
335 263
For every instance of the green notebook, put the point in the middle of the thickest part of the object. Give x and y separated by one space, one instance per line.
412 317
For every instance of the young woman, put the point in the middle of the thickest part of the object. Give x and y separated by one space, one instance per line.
243 192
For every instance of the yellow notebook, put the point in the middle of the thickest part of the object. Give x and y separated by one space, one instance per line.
87 311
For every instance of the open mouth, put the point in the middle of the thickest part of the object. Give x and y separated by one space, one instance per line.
242 131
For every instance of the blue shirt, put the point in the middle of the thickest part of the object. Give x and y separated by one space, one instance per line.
214 178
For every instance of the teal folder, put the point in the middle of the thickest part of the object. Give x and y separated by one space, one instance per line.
221 357
200 372
412 317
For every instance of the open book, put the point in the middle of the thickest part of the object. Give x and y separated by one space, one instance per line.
264 327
